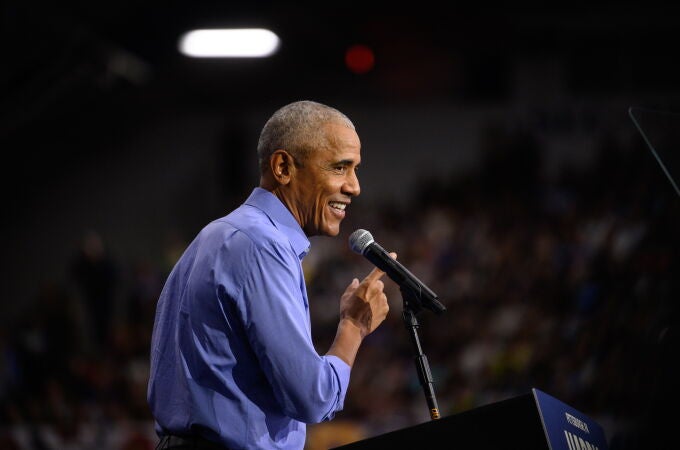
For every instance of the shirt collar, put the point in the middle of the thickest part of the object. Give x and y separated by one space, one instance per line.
281 217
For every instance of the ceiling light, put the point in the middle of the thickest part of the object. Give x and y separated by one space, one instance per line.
229 43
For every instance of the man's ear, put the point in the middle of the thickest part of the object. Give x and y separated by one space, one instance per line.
282 166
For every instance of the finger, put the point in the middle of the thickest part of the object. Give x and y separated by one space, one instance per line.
376 287
376 273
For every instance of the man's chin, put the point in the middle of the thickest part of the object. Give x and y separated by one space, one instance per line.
331 231
323 231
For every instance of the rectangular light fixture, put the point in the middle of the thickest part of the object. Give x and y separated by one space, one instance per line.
229 43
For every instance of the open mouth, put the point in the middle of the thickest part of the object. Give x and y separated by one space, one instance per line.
338 206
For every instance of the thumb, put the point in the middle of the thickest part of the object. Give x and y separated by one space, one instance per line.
353 285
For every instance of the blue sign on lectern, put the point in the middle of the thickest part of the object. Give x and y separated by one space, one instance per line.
565 427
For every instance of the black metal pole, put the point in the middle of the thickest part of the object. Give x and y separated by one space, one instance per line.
422 366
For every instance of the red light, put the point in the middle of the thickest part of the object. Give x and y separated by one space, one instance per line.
359 58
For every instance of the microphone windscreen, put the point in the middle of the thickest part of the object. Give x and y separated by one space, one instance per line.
359 240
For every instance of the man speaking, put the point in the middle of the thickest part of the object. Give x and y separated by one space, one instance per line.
233 365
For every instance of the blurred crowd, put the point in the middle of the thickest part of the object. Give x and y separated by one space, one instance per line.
561 283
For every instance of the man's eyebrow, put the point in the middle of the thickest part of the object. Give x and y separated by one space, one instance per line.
344 162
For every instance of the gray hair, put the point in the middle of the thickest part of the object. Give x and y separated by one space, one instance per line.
297 128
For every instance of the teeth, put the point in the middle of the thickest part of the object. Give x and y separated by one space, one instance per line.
338 205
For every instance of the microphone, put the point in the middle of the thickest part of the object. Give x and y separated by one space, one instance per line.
362 242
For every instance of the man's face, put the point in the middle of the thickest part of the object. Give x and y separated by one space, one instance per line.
324 187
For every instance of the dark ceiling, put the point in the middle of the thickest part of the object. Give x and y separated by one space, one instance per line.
72 50
69 67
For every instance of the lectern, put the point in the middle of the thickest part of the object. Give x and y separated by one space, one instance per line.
532 421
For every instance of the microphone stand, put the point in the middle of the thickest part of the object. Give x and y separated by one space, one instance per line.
411 308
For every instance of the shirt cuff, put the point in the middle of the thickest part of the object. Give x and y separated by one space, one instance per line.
342 370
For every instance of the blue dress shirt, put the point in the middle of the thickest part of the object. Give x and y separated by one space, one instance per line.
232 357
